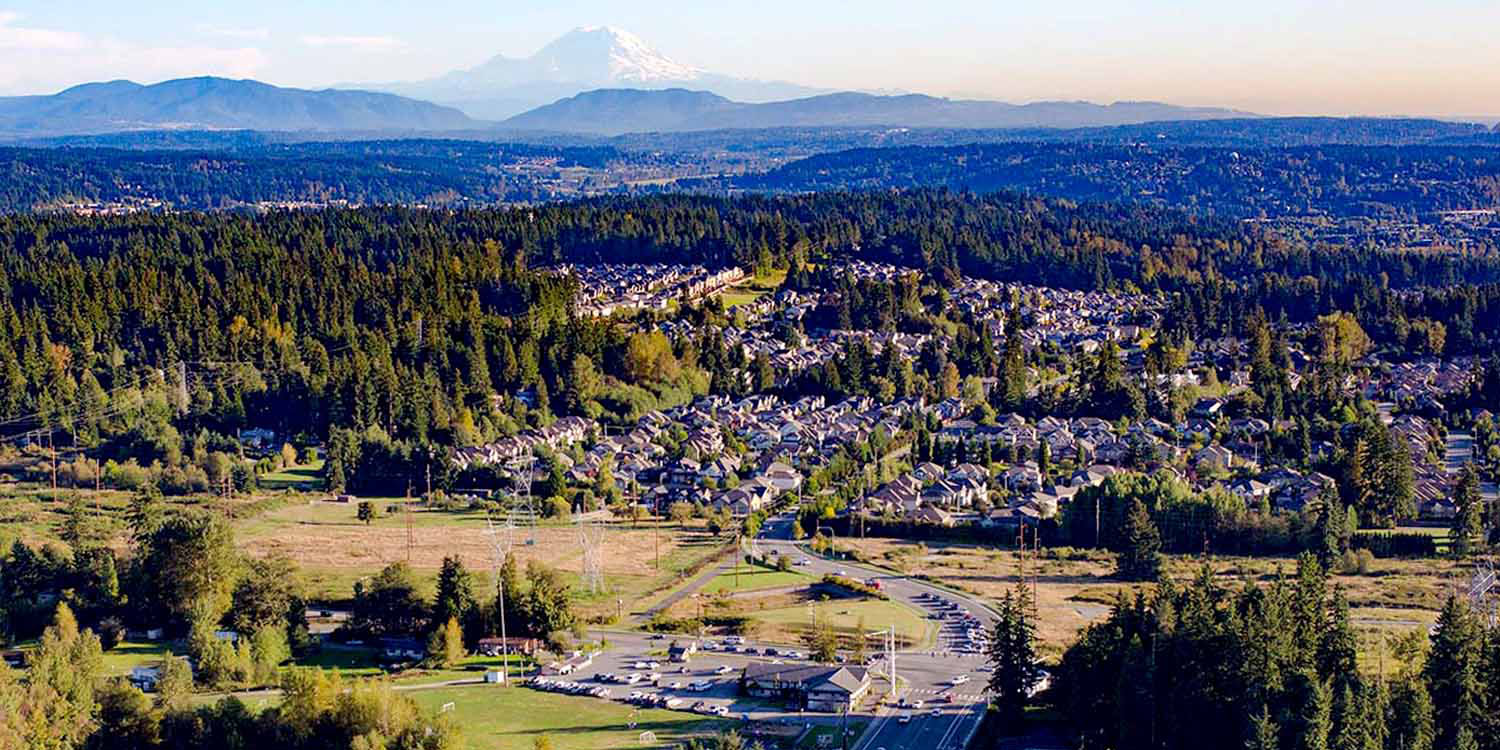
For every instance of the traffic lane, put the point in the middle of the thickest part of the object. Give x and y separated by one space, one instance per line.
924 731
901 588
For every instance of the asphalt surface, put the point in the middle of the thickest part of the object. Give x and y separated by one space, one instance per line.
949 715
927 711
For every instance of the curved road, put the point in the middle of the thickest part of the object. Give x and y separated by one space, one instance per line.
925 674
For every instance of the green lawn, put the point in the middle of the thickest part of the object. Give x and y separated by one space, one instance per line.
307 476
734 297
128 655
511 718
363 662
846 616
755 577
813 739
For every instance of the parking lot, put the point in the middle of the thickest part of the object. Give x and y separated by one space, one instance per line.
637 671
960 631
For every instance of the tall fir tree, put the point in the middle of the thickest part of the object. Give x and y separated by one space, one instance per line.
1140 552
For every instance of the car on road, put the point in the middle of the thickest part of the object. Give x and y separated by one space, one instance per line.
734 640
804 562
726 669
959 679
937 712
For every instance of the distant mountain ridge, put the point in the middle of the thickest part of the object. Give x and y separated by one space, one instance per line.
618 111
209 103
584 59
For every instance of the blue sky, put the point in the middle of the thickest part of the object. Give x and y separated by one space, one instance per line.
1273 56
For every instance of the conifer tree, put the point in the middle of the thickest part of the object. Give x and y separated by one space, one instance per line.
1452 673
1467 529
1140 554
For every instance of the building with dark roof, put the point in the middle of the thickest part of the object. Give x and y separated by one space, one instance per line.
812 687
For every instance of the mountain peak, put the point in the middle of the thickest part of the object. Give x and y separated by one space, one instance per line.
607 55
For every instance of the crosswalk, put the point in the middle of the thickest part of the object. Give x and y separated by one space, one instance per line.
961 697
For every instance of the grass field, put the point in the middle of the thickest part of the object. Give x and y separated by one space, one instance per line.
827 738
333 549
1079 588
511 718
752 289
126 656
788 624
755 578
306 477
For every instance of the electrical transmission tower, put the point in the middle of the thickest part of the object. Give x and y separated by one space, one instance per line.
1481 590
500 544
523 512
591 539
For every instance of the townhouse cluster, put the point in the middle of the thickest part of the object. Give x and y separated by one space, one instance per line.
606 289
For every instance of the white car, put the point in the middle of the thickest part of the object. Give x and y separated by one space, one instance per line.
726 669
959 680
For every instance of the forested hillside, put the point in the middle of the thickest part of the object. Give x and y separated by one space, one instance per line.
368 172
436 311
1391 182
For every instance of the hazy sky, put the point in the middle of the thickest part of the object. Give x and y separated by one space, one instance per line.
1271 56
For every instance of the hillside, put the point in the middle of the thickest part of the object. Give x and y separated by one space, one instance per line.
214 104
617 111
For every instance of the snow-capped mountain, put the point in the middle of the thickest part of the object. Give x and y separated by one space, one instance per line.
586 58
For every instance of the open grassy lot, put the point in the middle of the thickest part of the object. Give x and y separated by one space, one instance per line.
755 578
304 477
752 289
333 548
815 739
511 718
1076 587
126 656
789 624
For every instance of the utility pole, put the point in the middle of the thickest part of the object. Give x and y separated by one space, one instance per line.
1096 523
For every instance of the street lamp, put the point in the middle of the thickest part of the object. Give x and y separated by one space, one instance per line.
832 538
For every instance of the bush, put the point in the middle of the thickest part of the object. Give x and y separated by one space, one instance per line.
127 476
111 632
556 507
858 587
1356 562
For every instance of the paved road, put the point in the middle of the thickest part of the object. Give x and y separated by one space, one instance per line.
1459 451
925 674
946 718
686 591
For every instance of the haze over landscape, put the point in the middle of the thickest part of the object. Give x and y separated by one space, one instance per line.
774 376
1278 57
